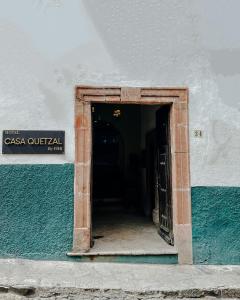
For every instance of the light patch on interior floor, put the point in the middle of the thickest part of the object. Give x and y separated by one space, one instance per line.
119 232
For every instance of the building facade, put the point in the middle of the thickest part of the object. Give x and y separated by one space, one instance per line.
62 63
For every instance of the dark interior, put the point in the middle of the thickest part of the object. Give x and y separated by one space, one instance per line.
117 156
124 169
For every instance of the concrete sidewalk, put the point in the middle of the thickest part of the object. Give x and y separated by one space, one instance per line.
56 279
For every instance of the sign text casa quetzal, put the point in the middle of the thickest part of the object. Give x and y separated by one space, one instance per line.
33 142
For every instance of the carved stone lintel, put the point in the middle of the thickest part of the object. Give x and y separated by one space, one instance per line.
130 94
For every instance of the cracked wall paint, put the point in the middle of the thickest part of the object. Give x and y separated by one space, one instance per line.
50 46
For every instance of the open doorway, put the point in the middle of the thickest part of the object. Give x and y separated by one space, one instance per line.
172 159
131 189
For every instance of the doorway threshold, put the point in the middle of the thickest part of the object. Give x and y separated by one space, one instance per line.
93 252
134 257
126 234
114 248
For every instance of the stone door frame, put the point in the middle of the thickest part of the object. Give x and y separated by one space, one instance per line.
177 98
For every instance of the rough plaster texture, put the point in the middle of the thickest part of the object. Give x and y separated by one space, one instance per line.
36 218
50 46
215 224
36 210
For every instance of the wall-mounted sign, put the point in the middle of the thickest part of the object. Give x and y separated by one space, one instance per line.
33 142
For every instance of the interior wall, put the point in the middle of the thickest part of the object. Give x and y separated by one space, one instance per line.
148 121
128 124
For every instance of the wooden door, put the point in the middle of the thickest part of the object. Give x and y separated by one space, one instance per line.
163 174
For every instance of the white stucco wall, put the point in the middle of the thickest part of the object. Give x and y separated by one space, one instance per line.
49 46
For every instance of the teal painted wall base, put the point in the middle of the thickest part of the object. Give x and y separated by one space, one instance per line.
36 218
216 225
36 210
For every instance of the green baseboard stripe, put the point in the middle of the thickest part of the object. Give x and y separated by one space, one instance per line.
216 225
36 210
36 218
133 259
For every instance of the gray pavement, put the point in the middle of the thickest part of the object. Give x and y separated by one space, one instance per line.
22 279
